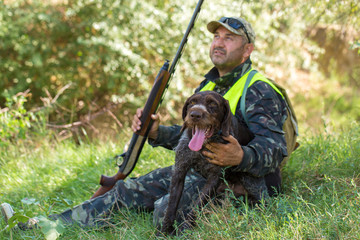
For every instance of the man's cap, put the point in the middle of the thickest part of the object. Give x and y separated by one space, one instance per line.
235 25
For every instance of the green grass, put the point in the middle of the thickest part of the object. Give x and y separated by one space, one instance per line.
321 198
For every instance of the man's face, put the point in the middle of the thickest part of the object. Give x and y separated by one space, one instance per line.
228 50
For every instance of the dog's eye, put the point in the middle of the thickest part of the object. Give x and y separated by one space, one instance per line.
212 105
192 102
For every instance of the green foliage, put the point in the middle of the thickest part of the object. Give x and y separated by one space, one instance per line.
104 48
48 47
13 119
17 123
50 229
17 218
110 53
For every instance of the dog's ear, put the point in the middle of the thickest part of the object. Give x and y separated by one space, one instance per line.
183 127
184 113
226 121
184 110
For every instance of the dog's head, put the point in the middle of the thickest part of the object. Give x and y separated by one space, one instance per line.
205 114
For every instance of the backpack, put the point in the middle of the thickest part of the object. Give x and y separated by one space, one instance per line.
290 126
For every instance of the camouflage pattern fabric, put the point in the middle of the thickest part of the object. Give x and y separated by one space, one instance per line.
147 193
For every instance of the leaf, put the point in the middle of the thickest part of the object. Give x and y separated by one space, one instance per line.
29 201
67 202
51 229
16 218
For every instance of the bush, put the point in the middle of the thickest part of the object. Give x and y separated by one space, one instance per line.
110 52
15 120
19 126
105 49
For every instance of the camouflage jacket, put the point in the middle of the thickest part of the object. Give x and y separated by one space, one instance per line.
266 113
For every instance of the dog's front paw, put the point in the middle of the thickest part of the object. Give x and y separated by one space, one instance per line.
185 226
166 229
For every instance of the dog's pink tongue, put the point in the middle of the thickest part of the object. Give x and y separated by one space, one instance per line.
197 140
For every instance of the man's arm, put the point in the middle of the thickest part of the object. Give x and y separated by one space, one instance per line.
159 135
266 112
167 137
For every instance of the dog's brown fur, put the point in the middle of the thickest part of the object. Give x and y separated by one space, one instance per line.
208 110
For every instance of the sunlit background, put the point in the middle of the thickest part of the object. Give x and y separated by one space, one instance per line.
92 62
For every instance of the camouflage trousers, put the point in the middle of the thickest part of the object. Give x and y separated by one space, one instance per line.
149 193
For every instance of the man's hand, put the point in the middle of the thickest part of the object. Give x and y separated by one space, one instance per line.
136 123
224 155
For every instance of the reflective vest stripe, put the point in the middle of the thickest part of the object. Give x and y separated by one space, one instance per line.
236 91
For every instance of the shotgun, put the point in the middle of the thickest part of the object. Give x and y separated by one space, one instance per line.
154 100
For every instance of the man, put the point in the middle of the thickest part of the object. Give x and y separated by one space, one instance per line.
230 51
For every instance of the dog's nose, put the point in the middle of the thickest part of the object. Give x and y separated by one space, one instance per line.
195 115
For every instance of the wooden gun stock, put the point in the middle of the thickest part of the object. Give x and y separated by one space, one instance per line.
107 183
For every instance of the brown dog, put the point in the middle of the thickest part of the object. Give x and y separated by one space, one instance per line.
207 117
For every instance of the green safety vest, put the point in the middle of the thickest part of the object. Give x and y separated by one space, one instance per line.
236 91
239 89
